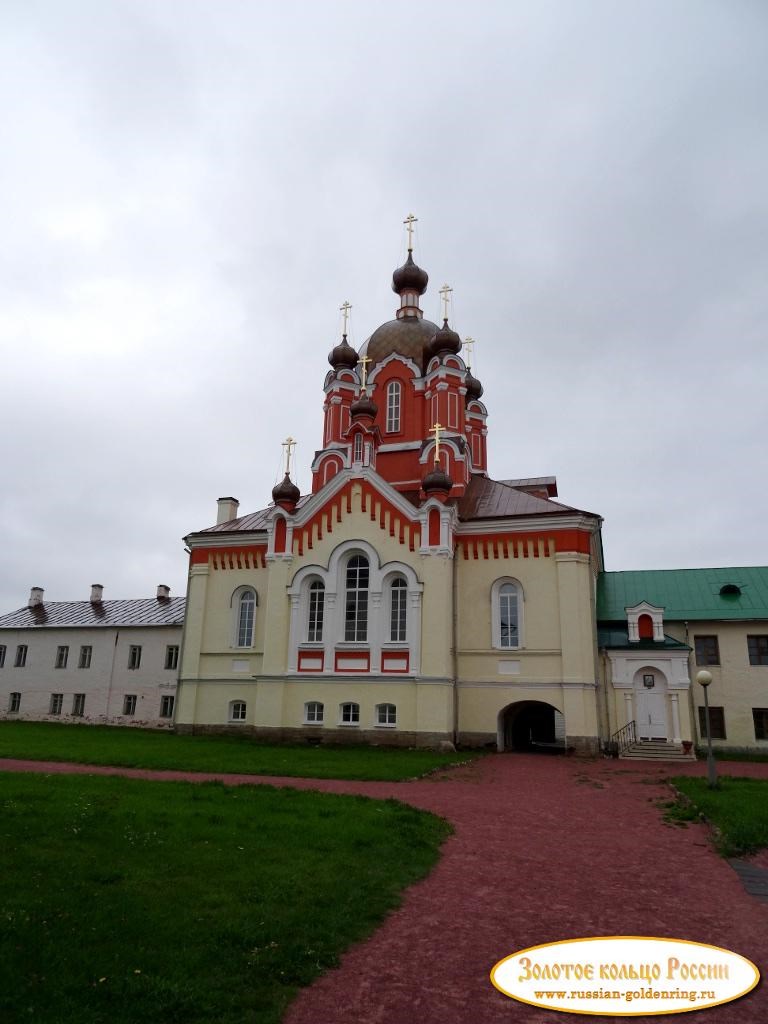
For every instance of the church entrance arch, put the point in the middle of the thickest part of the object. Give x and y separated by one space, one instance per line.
531 725
650 686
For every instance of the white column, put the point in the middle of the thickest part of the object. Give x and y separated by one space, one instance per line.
675 718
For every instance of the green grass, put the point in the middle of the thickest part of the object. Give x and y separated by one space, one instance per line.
738 810
147 748
124 901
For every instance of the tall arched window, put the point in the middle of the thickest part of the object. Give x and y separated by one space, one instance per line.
358 449
398 609
245 615
356 599
393 407
506 598
316 611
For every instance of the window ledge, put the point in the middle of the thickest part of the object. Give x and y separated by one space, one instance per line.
315 724
382 725
349 725
352 645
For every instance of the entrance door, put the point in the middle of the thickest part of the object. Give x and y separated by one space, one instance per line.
651 710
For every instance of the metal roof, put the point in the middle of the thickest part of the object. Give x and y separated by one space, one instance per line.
152 611
619 638
497 499
685 593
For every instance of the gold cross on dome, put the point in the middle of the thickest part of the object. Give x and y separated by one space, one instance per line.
363 361
445 292
409 221
469 345
437 429
289 444
345 308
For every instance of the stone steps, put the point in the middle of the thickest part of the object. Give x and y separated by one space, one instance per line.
650 750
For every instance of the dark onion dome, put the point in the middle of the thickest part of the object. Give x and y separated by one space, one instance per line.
286 491
444 341
409 277
473 386
437 480
343 356
364 405
408 337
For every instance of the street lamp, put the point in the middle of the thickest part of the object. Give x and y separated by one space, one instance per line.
704 678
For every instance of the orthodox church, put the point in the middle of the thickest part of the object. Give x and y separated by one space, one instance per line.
409 598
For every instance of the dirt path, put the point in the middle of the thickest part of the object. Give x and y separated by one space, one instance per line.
544 849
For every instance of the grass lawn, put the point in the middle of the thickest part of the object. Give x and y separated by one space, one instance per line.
124 901
148 748
738 810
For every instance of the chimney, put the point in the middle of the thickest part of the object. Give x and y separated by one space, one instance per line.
35 597
96 591
227 510
163 592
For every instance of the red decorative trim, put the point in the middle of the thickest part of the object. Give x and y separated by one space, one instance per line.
340 655
248 557
392 656
314 655
538 544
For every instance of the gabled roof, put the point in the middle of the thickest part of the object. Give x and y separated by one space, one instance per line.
498 499
165 611
686 594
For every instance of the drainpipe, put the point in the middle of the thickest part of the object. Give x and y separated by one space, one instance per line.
691 704
111 677
455 617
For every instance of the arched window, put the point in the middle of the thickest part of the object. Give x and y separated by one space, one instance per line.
313 713
356 599
506 598
386 714
358 451
398 609
393 407
237 711
316 611
645 627
350 714
246 610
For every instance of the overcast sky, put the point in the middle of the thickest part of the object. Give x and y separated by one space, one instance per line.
190 190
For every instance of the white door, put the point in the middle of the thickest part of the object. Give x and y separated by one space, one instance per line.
651 714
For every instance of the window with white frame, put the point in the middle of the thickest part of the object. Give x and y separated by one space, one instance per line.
21 656
350 714
506 599
393 406
398 609
356 599
166 706
86 653
129 704
2 655
134 657
316 611
172 656
78 705
246 613
237 711
313 712
386 714
62 654
57 700
357 455
14 702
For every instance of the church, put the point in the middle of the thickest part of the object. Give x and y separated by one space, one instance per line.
409 598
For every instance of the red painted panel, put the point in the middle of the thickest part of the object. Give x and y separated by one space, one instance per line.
434 528
307 656
391 658
645 627
280 535
349 656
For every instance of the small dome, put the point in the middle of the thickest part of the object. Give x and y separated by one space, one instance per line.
445 340
437 480
364 406
286 491
343 356
410 276
473 386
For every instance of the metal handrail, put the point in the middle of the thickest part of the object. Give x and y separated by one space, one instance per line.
625 737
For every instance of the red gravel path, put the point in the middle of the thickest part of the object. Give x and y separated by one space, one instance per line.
544 849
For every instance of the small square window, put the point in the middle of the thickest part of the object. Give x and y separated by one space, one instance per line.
172 656
707 650
2 655
57 701
760 717
14 703
78 705
757 647
237 711
350 714
21 656
62 656
386 714
134 656
717 721
85 657
314 713
129 704
166 706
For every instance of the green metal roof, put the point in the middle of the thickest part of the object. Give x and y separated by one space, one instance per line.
685 594
614 636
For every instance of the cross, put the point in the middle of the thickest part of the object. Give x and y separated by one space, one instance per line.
345 308
289 444
469 345
410 220
445 291
436 430
363 361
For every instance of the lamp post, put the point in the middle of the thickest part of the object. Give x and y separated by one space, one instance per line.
704 678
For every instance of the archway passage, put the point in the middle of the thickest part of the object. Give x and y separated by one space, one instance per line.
534 726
